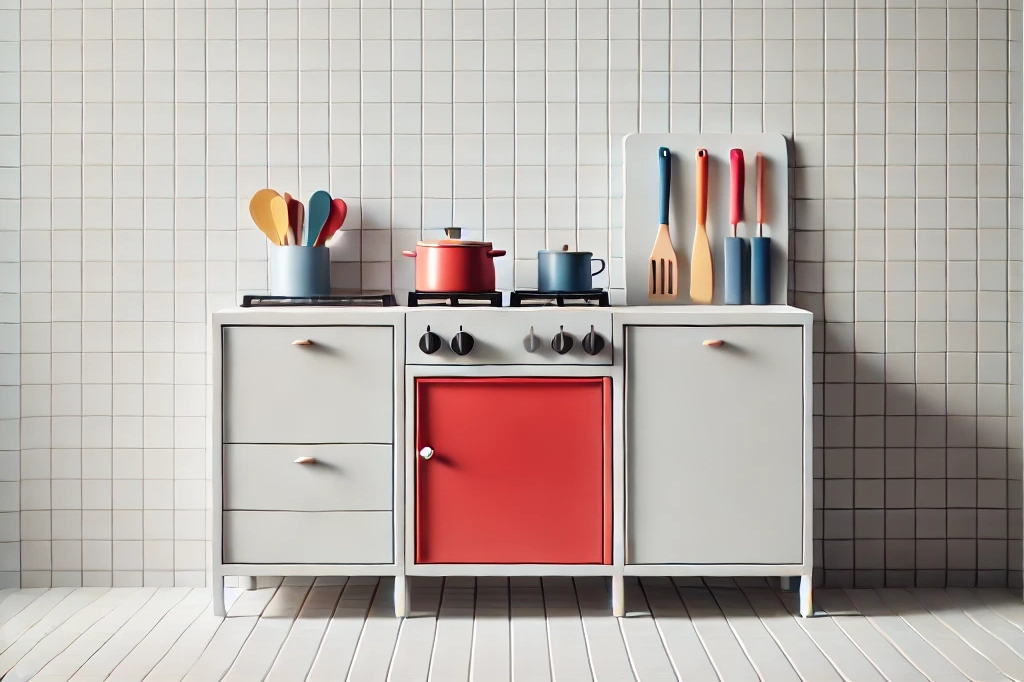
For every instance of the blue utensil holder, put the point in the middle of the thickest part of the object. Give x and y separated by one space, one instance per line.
760 271
736 258
300 271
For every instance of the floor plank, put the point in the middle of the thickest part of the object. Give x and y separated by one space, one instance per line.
187 649
214 661
416 636
338 648
718 639
299 649
30 614
832 641
453 643
144 657
492 643
377 640
531 657
609 659
989 620
685 650
257 656
911 645
570 660
1003 602
762 650
15 604
61 653
102 663
644 647
71 604
971 662
879 650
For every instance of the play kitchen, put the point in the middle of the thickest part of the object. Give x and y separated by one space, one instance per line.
552 435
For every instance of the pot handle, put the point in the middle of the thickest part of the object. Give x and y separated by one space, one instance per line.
410 254
601 269
495 253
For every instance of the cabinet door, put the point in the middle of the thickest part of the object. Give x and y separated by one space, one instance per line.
521 471
714 445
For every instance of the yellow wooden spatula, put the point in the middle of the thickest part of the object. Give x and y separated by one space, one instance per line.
702 273
279 214
262 214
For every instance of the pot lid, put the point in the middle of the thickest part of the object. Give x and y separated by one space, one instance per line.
453 239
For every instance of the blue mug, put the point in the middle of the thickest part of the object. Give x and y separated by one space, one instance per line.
566 271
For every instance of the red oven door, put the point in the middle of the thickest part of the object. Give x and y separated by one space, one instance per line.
520 471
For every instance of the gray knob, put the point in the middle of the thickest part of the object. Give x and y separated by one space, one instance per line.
531 343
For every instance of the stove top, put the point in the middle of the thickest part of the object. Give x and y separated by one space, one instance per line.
532 298
342 301
454 298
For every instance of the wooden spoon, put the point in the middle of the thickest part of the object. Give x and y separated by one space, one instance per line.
262 215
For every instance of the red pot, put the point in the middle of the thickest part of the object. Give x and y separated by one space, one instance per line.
454 265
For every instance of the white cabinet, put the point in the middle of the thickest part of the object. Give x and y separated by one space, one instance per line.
304 443
715 445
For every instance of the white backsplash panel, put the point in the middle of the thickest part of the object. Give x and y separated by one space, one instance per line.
133 132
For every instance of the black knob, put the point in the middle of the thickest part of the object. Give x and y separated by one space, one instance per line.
562 343
430 342
462 343
593 343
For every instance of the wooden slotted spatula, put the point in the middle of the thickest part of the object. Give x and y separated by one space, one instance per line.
663 278
702 273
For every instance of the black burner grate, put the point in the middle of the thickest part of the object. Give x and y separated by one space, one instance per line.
454 298
595 297
353 301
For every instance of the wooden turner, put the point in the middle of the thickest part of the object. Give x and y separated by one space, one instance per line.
663 279
702 273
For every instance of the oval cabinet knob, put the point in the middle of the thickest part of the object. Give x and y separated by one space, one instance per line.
302 342
714 343
426 452
305 460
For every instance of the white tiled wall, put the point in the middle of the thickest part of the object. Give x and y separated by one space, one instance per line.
141 129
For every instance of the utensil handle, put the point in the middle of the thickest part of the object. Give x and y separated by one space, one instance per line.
760 188
601 269
736 172
665 168
409 254
702 186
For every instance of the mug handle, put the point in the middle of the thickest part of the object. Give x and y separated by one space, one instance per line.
601 261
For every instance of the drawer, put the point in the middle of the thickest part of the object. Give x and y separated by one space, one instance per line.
340 478
259 537
338 388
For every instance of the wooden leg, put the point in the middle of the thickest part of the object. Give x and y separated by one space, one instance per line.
806 607
618 596
401 597
218 596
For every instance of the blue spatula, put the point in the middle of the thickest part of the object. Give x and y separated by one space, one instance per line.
319 209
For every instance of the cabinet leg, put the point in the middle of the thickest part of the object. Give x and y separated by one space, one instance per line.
218 596
246 582
787 583
806 606
618 596
401 596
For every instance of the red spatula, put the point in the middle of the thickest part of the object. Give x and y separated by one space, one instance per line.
335 219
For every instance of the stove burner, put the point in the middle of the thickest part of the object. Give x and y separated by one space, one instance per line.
355 300
454 298
530 298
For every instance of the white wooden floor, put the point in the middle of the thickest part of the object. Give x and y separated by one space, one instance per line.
496 630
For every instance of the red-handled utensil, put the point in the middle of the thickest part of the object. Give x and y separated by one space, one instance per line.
736 170
760 193
335 219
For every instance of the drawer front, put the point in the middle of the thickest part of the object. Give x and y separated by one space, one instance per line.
338 388
258 537
340 477
715 445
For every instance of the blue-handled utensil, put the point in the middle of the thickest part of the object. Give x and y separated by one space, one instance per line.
663 274
319 209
